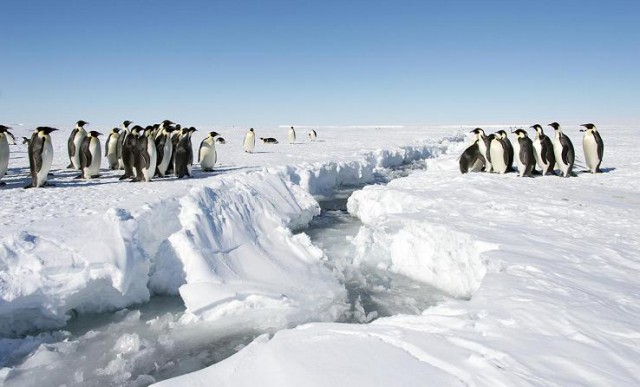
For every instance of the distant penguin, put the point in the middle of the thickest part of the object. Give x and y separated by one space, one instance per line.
207 155
249 141
220 140
164 147
499 153
268 140
508 148
563 150
292 135
543 151
593 148
74 142
471 159
184 154
90 155
4 151
121 139
25 140
130 152
483 144
111 148
313 135
146 156
40 156
524 157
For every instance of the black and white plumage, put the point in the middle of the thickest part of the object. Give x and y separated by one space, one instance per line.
207 155
130 152
164 147
40 155
498 153
471 159
111 148
292 135
268 140
145 155
508 148
90 155
563 150
524 156
313 135
4 150
483 144
543 151
74 142
221 140
184 154
593 147
121 139
249 142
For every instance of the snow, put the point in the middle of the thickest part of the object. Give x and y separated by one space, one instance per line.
541 272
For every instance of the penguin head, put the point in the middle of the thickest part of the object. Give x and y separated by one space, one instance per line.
521 133
192 130
115 130
81 123
536 127
213 134
94 133
502 134
25 140
4 128
492 136
588 127
45 130
126 124
251 130
554 125
136 129
167 123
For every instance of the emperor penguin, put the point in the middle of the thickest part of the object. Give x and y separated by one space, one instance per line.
471 159
499 153
543 151
184 154
146 155
509 149
130 152
313 135
563 150
220 140
74 142
249 141
90 155
111 148
121 139
483 144
164 147
292 135
40 155
593 147
4 151
207 155
524 158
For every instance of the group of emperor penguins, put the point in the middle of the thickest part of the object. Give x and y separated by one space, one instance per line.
143 153
495 152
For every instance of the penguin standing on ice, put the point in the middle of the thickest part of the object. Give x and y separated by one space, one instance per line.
593 147
184 154
90 155
249 141
4 151
313 135
292 135
207 155
483 144
164 147
498 153
563 150
524 158
130 152
146 156
471 159
111 148
74 142
121 140
508 148
40 156
543 151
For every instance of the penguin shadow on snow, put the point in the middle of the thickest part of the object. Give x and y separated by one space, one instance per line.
602 170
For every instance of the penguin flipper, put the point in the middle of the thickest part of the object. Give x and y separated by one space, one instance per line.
85 153
147 160
71 146
600 146
35 156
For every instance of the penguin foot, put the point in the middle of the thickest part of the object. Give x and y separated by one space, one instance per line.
28 186
70 166
47 184
124 177
136 180
79 177
95 176
50 174
2 183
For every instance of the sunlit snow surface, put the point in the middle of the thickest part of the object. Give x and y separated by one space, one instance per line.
544 270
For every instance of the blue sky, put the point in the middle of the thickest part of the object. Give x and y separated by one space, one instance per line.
319 63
